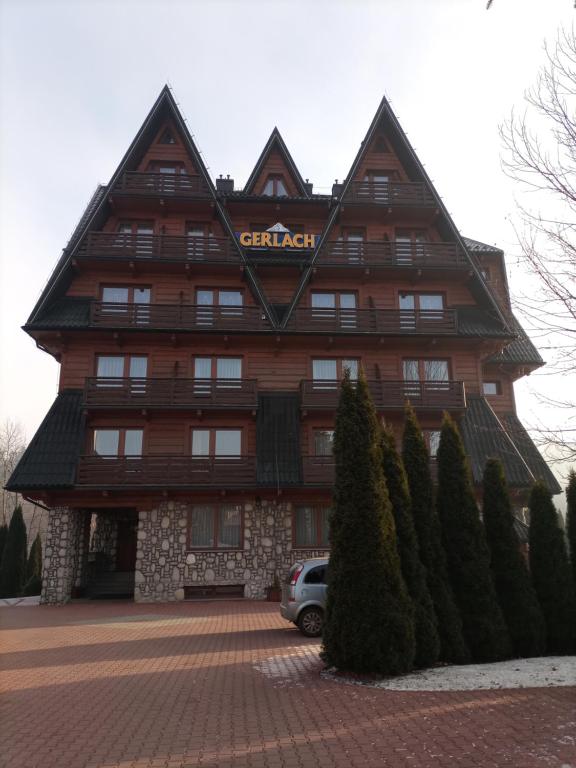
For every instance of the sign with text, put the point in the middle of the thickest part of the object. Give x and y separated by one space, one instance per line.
277 236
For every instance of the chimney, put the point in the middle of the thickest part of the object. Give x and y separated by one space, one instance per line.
308 188
336 189
225 186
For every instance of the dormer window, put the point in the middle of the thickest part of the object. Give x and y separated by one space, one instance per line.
275 186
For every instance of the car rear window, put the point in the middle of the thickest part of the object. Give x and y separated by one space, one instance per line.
316 575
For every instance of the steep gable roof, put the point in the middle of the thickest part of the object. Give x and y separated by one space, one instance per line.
276 142
164 108
396 137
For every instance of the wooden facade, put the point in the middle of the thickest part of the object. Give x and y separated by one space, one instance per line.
178 337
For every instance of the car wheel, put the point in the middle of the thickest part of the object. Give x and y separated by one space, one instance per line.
310 621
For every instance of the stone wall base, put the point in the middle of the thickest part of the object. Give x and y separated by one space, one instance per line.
65 554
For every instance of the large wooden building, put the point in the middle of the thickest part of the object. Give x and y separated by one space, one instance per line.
202 331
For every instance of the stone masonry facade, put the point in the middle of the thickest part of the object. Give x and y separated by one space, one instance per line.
164 566
65 554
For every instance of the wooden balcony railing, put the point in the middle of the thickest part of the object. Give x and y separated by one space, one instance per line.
391 254
396 322
391 193
431 395
167 470
184 317
119 245
110 392
161 185
321 470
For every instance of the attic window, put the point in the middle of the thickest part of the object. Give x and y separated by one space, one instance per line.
167 137
275 186
380 144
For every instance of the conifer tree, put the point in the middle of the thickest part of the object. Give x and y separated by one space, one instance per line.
414 573
514 589
369 624
551 573
3 537
33 585
417 465
571 521
467 552
13 567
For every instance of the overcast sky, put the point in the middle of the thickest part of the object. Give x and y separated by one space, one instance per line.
77 79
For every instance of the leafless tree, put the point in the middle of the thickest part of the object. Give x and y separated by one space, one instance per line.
12 444
540 154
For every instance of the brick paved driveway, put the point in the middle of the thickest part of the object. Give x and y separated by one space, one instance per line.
230 685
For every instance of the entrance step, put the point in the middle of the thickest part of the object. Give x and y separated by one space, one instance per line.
112 584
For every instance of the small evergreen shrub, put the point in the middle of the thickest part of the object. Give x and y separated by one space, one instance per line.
571 521
13 566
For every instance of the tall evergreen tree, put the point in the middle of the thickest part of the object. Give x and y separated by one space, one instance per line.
467 551
509 571
414 573
571 521
33 585
369 624
13 567
3 537
551 573
417 465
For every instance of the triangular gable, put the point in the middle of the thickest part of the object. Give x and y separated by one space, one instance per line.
164 113
276 159
386 124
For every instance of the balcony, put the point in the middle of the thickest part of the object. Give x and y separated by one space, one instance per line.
161 185
389 395
200 394
386 322
167 470
343 253
177 317
390 193
117 245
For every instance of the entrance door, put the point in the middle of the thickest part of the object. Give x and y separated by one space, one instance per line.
126 545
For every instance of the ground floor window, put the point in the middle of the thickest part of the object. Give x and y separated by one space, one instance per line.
215 526
310 526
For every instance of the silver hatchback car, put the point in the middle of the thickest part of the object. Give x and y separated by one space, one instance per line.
304 595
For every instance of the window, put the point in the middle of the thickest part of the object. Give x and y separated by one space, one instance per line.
354 248
409 244
377 185
275 186
230 301
115 301
316 575
426 370
215 526
491 388
111 369
432 439
423 302
327 374
118 442
329 306
199 240
485 272
323 442
227 372
216 442
310 526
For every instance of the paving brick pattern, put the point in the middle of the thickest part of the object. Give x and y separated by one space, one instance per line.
230 685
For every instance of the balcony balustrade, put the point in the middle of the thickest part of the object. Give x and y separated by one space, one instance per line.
167 470
389 395
120 245
111 392
183 317
390 193
161 185
392 322
351 253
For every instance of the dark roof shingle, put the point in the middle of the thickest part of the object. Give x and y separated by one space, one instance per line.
475 246
529 451
51 458
69 312
521 351
473 321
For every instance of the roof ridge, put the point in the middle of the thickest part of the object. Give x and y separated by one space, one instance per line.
275 138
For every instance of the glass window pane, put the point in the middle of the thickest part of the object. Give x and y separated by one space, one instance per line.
133 442
116 295
352 366
202 526
411 370
228 442
145 229
229 525
348 300
106 442
202 367
138 367
230 298
280 188
433 441
268 187
436 370
200 442
324 300
490 387
323 442
141 295
431 302
195 231
406 301
206 298
324 370
110 366
305 527
229 368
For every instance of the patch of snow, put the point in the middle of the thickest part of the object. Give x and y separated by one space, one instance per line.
541 672
13 602
290 668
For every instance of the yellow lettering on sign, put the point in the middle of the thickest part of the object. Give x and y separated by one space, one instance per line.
256 238
287 241
245 238
275 242
298 241
308 241
266 239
